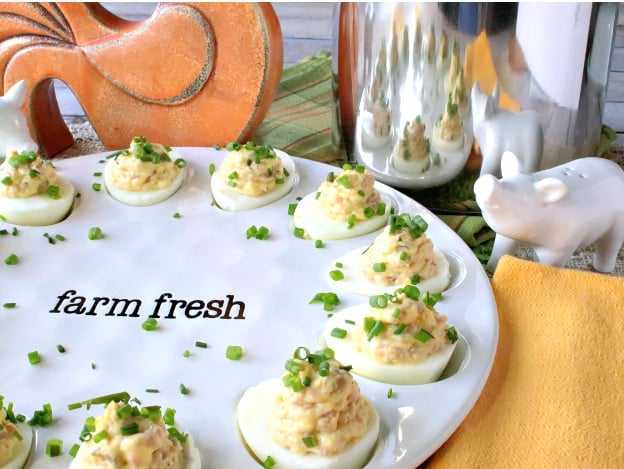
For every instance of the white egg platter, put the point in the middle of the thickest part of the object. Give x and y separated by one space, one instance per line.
193 267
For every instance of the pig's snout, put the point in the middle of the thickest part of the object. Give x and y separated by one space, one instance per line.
485 189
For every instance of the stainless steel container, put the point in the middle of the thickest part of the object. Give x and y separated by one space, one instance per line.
405 71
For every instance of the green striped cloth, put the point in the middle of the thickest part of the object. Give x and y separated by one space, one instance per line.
303 121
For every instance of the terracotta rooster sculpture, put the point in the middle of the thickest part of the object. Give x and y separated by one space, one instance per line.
193 74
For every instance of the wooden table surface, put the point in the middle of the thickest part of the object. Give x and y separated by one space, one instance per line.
308 27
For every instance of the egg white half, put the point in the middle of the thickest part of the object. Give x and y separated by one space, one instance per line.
39 210
369 137
415 167
25 448
141 198
355 281
446 146
317 225
229 199
345 352
253 415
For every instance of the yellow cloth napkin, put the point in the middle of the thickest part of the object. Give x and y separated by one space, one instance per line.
555 397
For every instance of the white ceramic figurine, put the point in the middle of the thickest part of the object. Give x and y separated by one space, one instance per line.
555 211
498 130
14 133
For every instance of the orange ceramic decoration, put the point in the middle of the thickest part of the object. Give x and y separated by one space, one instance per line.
193 74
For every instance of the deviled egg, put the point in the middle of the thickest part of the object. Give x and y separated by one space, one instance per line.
31 193
397 338
144 174
126 436
411 152
314 417
377 125
16 439
344 206
448 131
402 254
252 176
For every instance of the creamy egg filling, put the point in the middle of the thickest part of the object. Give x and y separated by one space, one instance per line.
9 440
123 438
144 166
382 119
25 175
402 329
401 254
252 170
413 144
450 125
319 410
350 196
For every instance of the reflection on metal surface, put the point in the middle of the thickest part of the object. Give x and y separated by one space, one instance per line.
408 67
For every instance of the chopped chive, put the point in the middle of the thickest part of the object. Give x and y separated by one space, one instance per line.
338 333
125 411
268 463
390 393
175 433
93 366
396 314
361 193
15 231
423 336
234 352
186 354
34 358
73 451
9 305
201 344
350 321
336 275
150 324
381 208
176 215
378 301
452 335
12 260
379 267
183 389
60 348
42 417
310 441
97 173
318 244
4 231
6 181
211 169
95 233
54 447
169 416
340 265
377 329
369 213
59 237
291 209
400 329
49 238
96 186
105 399
404 256
251 231
328 299
299 232
152 390
53 192
262 233
130 429
99 436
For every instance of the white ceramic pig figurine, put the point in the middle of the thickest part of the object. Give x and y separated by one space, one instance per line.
14 134
498 130
555 211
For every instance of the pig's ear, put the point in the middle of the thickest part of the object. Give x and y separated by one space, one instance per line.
551 190
510 164
17 93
